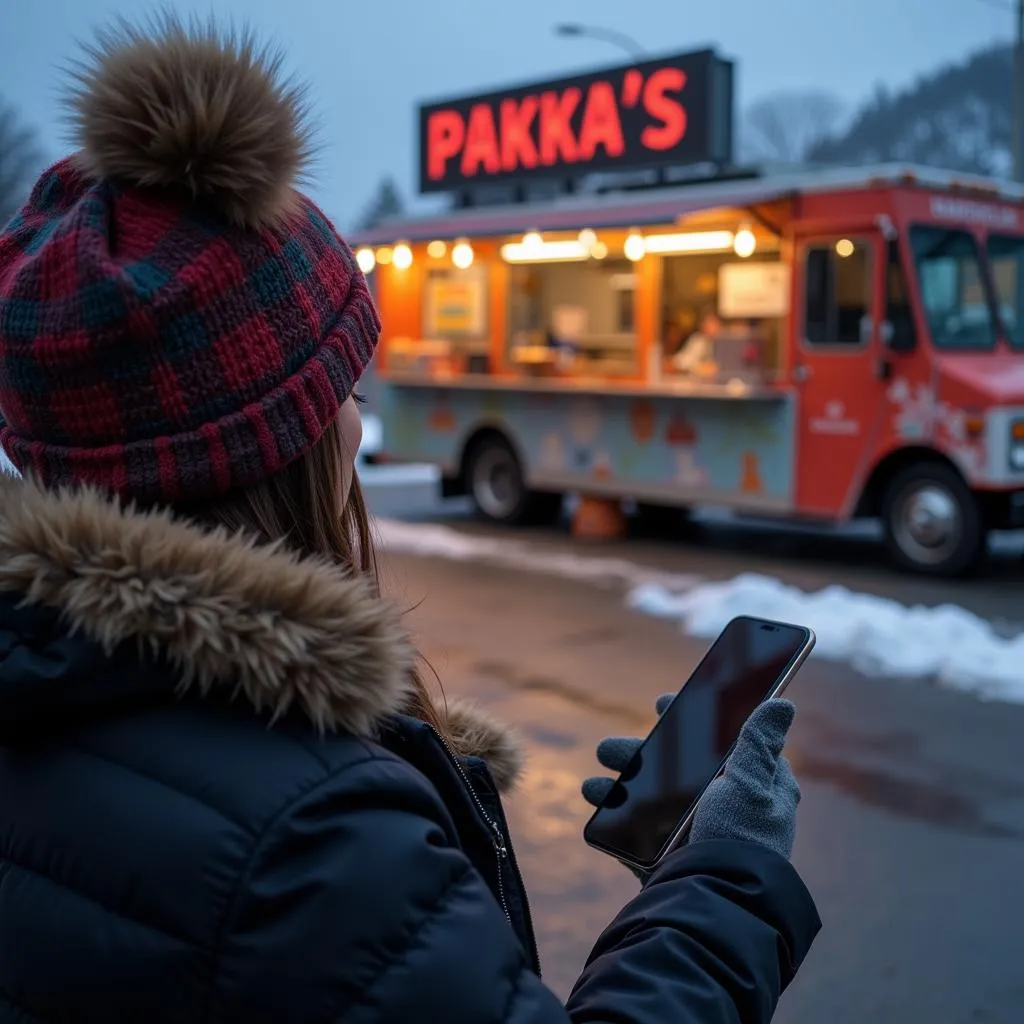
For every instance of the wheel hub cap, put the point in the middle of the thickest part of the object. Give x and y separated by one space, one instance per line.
928 526
494 482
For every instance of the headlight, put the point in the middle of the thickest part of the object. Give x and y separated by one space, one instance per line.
1017 445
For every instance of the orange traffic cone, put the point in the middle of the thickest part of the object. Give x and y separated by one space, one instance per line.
598 519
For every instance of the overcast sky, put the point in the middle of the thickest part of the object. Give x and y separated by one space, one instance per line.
368 63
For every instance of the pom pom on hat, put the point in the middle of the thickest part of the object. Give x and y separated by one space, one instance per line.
196 111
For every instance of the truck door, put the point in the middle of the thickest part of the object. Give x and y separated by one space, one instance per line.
838 309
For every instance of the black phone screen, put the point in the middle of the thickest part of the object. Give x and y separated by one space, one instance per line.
686 748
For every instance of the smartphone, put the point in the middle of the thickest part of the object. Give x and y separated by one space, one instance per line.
649 810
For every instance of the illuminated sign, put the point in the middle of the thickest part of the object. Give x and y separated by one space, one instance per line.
675 110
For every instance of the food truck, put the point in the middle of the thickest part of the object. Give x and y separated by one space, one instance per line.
610 308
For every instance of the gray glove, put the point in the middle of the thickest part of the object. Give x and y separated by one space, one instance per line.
755 798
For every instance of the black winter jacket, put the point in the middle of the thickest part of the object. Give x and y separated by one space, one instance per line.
169 855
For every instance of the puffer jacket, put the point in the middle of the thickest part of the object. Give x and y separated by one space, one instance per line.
178 841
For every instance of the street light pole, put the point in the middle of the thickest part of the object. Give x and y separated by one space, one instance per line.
1018 95
607 35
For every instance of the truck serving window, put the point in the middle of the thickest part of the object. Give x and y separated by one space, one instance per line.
585 312
952 288
837 293
1006 261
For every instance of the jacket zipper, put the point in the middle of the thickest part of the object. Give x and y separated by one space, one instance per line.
497 839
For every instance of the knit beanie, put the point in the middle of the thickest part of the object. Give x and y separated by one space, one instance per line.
176 319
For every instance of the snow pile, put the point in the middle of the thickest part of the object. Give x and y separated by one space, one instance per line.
876 635
373 436
398 475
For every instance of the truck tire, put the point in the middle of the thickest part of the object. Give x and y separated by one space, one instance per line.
495 482
933 523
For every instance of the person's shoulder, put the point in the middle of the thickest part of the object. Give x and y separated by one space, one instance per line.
240 766
347 763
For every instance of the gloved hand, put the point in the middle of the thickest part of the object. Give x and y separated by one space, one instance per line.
755 798
614 753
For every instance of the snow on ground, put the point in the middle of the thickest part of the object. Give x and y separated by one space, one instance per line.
373 435
398 475
436 541
876 635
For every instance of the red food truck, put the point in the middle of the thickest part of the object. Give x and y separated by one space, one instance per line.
821 345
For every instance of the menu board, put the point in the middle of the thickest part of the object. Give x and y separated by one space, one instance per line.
753 291
454 303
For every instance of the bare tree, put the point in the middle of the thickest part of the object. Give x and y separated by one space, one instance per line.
786 126
20 158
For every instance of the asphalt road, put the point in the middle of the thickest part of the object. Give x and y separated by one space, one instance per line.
911 831
716 546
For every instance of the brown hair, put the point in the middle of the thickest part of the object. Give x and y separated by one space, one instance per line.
301 506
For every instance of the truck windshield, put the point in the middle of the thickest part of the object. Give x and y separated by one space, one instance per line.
952 288
1006 260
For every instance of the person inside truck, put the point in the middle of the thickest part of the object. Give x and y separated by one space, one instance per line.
697 353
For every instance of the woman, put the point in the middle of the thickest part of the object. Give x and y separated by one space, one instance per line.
699 349
227 794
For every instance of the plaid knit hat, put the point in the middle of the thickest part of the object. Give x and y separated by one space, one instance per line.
175 318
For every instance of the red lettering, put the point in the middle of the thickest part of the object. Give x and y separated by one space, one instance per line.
445 132
601 125
669 110
481 142
632 87
517 148
557 141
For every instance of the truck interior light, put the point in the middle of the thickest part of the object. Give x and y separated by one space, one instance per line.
599 250
366 260
544 252
588 238
744 243
401 257
533 239
437 249
635 246
692 241
462 255
384 254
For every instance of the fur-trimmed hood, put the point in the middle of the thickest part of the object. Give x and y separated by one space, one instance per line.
280 632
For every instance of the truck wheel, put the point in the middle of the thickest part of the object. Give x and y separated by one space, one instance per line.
933 524
499 491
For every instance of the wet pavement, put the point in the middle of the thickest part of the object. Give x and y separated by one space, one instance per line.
717 546
911 830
